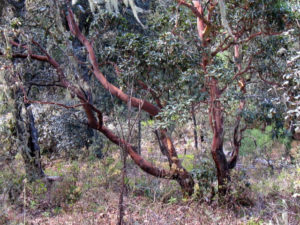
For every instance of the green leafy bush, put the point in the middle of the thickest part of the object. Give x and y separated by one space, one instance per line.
205 175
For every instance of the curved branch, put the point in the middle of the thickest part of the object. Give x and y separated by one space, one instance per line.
136 102
143 164
269 82
152 92
97 123
194 11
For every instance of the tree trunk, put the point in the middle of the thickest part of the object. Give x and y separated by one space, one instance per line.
183 177
177 172
186 182
195 127
95 117
28 137
221 164
139 136
217 124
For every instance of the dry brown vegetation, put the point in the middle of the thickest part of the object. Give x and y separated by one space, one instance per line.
89 194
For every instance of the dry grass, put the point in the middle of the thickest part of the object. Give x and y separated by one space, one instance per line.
154 201
89 194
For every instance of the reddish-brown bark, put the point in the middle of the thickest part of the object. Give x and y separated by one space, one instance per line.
217 123
216 110
135 102
237 134
180 174
176 172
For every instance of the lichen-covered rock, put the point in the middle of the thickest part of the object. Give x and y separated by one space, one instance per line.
62 131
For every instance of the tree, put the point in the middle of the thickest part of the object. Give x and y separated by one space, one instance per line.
177 64
94 115
247 22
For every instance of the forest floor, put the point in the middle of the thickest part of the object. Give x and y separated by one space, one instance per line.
89 194
90 188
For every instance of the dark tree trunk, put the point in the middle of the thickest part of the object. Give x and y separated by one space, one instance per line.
139 136
221 164
195 127
216 112
28 138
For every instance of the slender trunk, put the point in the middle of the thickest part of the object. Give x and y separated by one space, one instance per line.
139 136
121 205
195 127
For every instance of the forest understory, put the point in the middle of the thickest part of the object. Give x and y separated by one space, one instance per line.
158 112
89 188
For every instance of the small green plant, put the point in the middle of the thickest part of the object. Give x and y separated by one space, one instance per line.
254 221
172 200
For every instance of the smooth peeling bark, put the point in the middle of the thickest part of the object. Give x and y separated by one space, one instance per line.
143 164
184 178
217 124
135 102
200 23
177 172
181 175
215 112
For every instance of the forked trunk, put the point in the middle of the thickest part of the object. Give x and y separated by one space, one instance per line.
217 124
186 183
221 164
183 177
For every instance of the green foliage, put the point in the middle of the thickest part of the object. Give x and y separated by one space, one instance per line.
167 57
187 161
172 200
204 175
256 141
147 123
254 221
